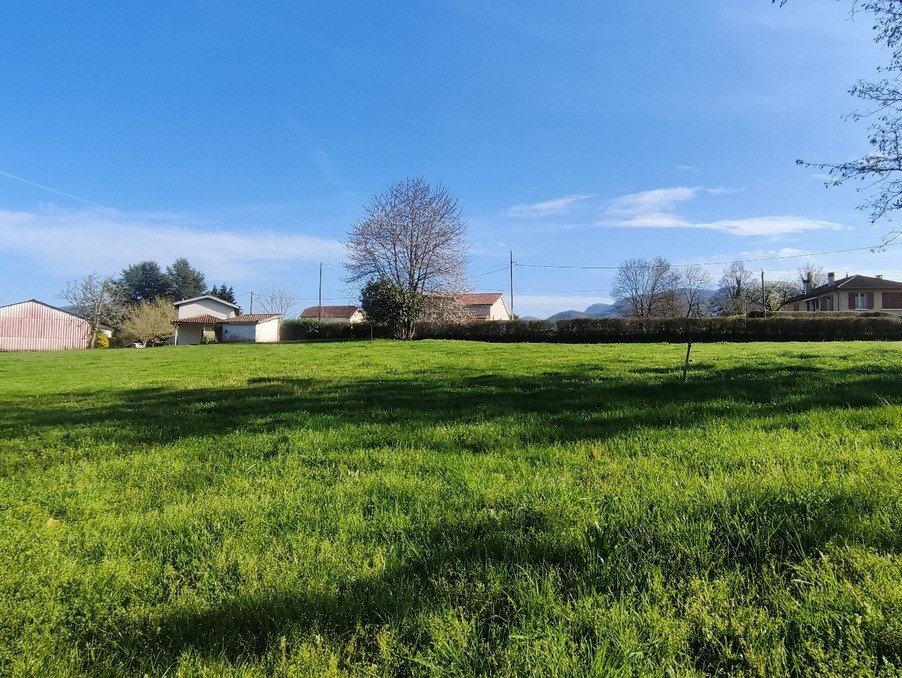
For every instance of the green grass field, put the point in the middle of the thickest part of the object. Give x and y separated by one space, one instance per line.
452 508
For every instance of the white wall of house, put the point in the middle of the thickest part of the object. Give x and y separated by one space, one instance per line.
267 332
499 310
186 335
263 332
238 332
205 306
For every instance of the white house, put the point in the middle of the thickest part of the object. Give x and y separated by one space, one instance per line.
198 316
485 306
214 318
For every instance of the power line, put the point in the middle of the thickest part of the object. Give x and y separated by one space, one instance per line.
497 270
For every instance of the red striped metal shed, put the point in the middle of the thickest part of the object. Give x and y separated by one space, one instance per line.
35 326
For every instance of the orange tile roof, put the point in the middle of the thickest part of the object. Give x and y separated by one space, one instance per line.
204 319
479 299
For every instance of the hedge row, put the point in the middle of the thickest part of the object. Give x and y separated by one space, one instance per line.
675 330
297 330
845 327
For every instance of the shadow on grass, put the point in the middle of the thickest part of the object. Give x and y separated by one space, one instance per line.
494 567
560 407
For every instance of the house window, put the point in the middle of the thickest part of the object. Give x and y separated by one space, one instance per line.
892 300
813 304
861 301
827 303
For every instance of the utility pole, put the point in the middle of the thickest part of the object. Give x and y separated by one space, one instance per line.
320 315
512 283
252 302
763 295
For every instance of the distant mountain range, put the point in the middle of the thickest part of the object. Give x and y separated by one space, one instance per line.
594 311
614 310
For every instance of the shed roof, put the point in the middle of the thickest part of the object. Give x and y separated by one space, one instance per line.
345 312
250 318
55 308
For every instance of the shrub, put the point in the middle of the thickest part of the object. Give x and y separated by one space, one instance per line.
298 329
678 330
101 340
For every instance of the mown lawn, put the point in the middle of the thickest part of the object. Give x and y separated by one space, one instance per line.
451 508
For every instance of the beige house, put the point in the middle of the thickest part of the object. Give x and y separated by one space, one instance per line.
345 315
214 318
485 306
852 293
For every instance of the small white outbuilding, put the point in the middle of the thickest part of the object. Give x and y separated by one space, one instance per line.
260 328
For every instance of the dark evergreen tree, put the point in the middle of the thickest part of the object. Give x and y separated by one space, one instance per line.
224 293
143 281
185 281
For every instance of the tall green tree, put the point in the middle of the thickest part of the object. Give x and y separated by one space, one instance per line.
144 281
184 280
385 303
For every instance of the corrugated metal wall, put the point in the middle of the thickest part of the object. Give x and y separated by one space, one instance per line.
33 326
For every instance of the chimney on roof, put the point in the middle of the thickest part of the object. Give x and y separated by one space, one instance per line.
831 278
806 284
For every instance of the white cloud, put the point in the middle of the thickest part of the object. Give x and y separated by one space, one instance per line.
769 226
655 206
562 205
658 209
75 242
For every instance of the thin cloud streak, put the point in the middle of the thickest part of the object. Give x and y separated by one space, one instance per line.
75 242
563 205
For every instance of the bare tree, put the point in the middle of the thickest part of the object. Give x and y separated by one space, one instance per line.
96 298
149 322
778 292
811 275
693 287
413 236
737 293
445 308
276 301
881 169
647 288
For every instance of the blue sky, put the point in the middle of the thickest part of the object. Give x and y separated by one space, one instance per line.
248 136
